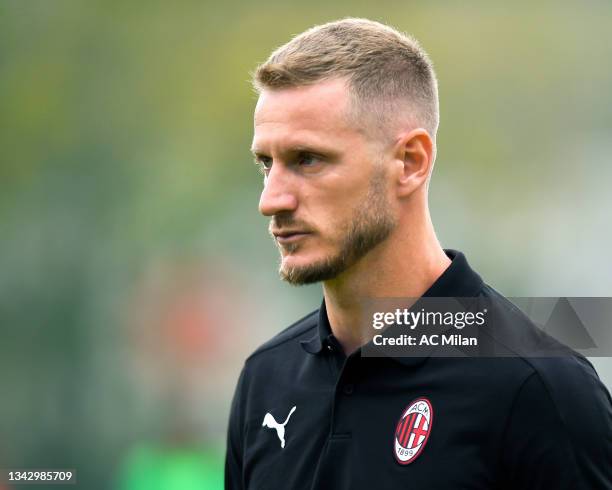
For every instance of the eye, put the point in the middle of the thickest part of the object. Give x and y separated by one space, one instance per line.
264 164
307 160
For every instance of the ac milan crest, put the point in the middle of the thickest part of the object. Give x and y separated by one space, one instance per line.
412 431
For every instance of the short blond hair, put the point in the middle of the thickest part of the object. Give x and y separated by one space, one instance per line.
383 68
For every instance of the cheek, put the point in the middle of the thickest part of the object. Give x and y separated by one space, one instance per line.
330 205
334 217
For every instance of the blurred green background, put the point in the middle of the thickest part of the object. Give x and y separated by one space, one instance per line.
135 272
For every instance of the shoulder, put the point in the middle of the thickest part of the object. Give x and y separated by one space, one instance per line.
563 372
275 356
560 421
550 372
559 430
578 396
303 328
515 334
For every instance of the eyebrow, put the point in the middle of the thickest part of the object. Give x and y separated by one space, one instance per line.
256 152
296 150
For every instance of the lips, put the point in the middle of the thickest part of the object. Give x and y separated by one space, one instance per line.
289 236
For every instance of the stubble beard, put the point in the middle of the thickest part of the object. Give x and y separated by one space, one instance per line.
371 224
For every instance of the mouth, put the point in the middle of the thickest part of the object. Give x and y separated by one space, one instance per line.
289 237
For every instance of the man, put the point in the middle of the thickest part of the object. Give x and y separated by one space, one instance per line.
345 135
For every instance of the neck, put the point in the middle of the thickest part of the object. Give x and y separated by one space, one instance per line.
403 266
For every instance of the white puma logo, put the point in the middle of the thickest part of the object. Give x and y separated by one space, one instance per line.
271 423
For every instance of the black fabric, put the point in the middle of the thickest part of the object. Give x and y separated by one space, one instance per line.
498 423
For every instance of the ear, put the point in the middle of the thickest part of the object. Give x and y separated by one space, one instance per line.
414 157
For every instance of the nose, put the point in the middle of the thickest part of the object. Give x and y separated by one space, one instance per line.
278 195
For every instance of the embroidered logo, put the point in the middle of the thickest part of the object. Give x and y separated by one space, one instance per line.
270 422
412 431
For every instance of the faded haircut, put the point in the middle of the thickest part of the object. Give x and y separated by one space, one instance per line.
389 75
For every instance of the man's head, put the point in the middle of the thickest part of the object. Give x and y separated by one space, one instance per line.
390 78
344 130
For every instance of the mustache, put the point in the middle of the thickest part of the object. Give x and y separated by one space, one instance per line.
286 221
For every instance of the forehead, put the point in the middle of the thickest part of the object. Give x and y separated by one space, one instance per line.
312 112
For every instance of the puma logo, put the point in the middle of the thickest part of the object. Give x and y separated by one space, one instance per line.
271 423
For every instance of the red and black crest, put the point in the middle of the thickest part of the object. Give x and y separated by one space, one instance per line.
412 431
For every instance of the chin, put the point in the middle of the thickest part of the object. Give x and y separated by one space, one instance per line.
292 262
301 271
301 258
